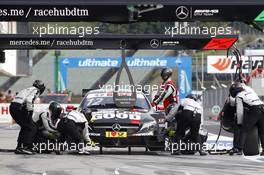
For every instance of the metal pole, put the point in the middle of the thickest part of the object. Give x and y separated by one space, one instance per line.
202 69
57 73
57 54
196 73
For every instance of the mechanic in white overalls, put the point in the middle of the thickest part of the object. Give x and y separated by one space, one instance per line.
190 117
21 110
249 112
46 129
73 126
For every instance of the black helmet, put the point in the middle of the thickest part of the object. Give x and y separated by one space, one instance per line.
40 85
235 88
55 109
166 73
241 80
191 97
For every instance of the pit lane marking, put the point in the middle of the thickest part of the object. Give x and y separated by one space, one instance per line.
162 168
116 172
257 158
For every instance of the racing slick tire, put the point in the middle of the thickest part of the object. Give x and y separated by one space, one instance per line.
252 143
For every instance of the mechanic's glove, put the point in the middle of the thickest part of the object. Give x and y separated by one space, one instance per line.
92 119
52 136
171 132
153 104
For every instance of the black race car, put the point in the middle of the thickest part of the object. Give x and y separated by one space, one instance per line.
112 126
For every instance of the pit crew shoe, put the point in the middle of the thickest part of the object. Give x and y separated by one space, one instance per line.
57 152
202 153
18 150
27 151
235 151
262 153
84 152
178 152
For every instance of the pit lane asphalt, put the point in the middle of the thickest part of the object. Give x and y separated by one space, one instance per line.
118 162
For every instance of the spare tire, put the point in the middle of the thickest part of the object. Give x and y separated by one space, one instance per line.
228 119
252 143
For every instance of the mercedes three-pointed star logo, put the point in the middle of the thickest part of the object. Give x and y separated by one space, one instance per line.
182 12
154 43
116 127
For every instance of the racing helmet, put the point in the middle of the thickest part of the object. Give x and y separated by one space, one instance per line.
55 109
241 80
235 88
165 73
39 85
191 96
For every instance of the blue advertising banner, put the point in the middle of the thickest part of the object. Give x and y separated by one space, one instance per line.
182 63
185 77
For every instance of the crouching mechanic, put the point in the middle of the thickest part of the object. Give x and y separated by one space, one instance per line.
73 126
189 117
21 110
46 133
249 112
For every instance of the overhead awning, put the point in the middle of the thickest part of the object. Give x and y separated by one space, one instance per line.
132 10
155 42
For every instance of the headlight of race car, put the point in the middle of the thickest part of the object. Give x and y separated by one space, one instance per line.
148 126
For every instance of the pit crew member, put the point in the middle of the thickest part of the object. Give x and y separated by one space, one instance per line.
21 110
73 126
190 117
249 111
169 94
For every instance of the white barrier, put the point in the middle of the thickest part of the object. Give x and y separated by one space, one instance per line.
5 116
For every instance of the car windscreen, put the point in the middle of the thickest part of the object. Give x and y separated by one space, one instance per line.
105 100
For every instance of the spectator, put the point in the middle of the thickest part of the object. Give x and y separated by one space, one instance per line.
2 97
258 72
9 96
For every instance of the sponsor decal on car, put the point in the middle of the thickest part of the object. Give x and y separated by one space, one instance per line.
94 134
115 134
144 134
109 115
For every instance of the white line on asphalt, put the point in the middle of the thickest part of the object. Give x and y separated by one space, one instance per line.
185 172
116 172
257 158
163 168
